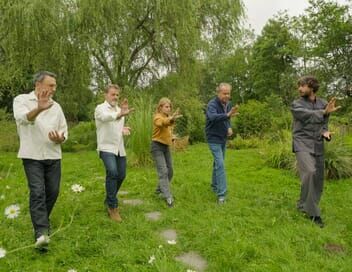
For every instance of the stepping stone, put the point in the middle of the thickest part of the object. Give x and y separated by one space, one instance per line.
153 216
123 193
132 202
194 260
334 248
169 234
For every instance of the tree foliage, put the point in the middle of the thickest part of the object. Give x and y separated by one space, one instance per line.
272 66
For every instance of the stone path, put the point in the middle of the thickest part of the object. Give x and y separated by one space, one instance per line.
153 216
194 260
169 235
132 202
122 193
191 259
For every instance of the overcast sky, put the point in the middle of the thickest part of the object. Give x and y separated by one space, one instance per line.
259 11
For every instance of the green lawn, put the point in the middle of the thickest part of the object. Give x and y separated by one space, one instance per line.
258 229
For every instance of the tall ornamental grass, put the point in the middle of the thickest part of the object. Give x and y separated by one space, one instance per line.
140 122
337 156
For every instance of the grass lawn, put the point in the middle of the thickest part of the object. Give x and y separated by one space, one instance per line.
258 229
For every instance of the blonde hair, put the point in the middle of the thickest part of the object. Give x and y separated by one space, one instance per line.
161 103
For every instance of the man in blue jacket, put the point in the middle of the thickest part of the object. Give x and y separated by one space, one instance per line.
217 129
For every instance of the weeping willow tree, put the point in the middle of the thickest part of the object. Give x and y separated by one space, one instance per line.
38 35
133 42
89 43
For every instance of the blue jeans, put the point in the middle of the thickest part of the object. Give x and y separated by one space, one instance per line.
115 168
218 183
43 178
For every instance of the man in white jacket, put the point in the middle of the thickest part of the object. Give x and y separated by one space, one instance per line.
110 120
41 126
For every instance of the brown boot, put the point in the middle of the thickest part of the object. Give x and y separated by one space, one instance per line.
114 214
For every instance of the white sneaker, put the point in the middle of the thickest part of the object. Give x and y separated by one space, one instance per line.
42 242
221 200
170 202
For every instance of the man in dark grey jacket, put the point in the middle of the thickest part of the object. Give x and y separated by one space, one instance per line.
310 128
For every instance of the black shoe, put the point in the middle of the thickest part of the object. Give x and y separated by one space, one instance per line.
317 220
157 191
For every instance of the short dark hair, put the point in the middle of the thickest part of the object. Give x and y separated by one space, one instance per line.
310 81
39 77
111 86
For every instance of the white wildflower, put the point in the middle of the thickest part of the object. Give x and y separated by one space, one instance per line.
77 188
72 270
2 252
2 197
151 259
12 211
171 242
190 270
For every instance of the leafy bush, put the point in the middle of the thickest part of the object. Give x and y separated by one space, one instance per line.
192 122
9 141
81 137
5 116
254 119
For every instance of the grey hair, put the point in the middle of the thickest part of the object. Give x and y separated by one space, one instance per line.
111 86
39 77
222 85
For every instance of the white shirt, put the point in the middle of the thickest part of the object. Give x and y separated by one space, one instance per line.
109 129
34 139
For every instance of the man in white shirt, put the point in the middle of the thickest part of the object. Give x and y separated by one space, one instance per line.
110 120
41 126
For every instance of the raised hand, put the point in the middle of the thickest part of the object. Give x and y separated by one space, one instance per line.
176 115
327 135
233 111
126 131
44 101
56 137
330 107
125 110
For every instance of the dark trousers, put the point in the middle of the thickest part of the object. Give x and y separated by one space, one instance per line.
163 162
311 172
115 169
43 178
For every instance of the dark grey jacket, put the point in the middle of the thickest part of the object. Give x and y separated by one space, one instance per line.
309 123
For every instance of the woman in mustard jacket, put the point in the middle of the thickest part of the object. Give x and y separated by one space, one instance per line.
163 123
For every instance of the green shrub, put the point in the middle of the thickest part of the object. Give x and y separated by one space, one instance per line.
9 141
81 136
5 116
192 122
254 119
